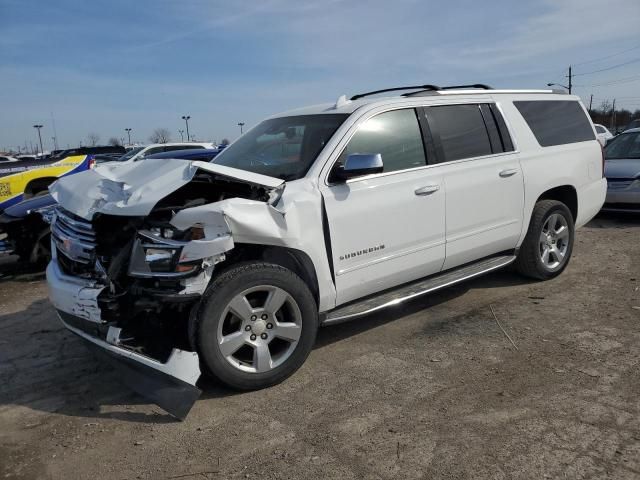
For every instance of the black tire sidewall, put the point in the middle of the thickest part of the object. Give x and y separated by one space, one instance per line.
555 207
217 297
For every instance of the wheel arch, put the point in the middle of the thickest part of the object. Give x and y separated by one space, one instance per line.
295 260
37 185
566 194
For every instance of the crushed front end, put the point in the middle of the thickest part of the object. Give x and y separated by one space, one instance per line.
128 269
124 289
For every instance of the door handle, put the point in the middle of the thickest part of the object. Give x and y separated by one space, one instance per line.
508 172
427 190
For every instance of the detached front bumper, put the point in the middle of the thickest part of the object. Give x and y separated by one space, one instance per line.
171 384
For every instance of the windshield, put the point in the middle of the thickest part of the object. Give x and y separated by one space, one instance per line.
625 145
282 147
129 154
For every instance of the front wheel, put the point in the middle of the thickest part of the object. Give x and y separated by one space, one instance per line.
547 247
256 326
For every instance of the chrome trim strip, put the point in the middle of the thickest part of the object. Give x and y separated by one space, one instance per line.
343 318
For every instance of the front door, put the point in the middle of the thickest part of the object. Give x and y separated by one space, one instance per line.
389 228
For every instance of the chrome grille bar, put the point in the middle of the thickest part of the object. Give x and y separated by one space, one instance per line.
74 237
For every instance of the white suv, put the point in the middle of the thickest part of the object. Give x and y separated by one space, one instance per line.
314 217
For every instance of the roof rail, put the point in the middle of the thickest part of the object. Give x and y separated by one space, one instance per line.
481 86
452 87
416 87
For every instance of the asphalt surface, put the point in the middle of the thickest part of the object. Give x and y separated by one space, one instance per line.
440 388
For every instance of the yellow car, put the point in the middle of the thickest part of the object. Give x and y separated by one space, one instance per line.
28 178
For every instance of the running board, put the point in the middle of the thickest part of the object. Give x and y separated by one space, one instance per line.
415 289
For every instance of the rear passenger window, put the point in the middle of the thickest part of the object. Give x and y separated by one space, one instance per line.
461 130
556 122
396 135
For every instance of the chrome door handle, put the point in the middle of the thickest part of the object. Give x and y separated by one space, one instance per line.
508 172
427 190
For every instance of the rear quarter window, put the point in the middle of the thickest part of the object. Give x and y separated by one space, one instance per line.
556 122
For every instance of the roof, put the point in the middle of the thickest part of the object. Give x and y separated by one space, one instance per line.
345 106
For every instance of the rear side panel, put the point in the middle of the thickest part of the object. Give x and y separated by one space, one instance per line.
578 165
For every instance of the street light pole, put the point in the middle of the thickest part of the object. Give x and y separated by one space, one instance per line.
181 132
241 124
128 130
38 127
186 121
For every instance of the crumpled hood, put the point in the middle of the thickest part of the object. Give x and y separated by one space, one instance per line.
625 168
134 188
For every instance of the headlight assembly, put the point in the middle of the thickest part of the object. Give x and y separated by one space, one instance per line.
157 256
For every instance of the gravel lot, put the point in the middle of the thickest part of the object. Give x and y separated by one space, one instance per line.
431 390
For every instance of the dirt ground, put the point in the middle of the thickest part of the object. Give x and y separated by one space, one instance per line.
431 390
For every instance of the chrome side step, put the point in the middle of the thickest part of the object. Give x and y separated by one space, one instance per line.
415 289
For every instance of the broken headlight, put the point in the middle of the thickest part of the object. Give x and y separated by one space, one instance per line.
157 256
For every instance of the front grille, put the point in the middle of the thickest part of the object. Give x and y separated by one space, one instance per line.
74 237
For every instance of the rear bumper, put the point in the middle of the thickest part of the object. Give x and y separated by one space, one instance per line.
170 384
627 200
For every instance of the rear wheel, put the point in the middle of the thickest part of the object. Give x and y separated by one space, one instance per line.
257 325
547 247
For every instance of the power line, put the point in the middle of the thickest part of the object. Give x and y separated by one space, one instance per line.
608 68
617 81
607 57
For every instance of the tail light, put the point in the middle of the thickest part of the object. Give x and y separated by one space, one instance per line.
602 152
92 163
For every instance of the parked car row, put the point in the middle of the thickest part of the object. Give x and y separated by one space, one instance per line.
24 227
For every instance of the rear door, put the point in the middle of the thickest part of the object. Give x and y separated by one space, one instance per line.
386 229
482 178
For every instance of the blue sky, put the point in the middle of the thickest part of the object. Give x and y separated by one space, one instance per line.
103 66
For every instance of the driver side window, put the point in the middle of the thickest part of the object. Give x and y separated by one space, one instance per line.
395 135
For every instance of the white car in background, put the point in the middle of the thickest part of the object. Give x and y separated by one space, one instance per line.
602 134
138 153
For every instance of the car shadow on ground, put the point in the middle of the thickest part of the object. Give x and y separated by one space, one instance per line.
12 269
615 220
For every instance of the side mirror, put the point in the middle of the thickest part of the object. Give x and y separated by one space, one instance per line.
357 165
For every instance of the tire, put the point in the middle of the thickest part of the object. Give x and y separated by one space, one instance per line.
540 240
240 309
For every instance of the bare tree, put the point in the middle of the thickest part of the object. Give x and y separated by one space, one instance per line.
114 142
225 141
93 139
160 135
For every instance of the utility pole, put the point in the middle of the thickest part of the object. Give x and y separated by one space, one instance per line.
186 121
590 103
38 127
128 130
570 79
241 124
55 133
613 114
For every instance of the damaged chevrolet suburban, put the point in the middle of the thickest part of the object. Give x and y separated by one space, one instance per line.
314 217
